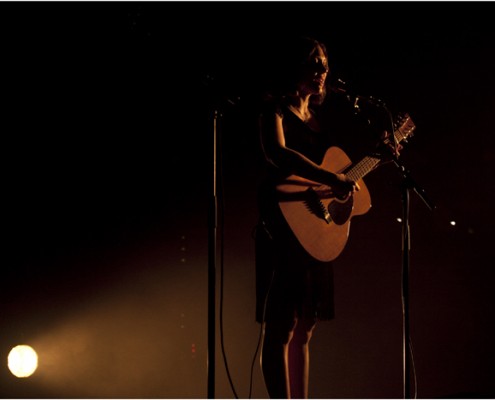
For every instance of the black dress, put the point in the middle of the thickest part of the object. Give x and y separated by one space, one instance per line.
289 282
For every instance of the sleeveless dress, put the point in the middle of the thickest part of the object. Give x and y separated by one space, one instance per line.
289 282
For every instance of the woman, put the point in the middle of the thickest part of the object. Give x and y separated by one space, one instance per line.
293 290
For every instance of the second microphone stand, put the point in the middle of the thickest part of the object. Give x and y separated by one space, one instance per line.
407 185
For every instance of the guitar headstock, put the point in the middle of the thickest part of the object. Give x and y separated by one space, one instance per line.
403 127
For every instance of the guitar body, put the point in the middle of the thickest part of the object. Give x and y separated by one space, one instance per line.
303 204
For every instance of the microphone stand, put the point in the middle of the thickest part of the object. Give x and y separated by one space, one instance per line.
212 248
407 185
218 100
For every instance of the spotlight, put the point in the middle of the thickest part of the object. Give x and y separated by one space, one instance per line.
22 361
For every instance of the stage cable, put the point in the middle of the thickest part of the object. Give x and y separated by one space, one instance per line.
253 362
413 370
262 324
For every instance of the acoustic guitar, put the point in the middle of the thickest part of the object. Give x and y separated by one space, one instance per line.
320 220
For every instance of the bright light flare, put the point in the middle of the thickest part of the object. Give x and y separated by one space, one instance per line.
22 361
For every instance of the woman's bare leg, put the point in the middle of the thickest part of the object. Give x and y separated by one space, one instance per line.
299 359
275 358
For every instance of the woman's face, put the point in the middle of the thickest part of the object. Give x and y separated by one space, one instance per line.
315 72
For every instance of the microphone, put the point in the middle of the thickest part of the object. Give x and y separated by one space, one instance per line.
339 86
373 110
217 90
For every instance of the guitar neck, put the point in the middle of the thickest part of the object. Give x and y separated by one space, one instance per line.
367 164
362 168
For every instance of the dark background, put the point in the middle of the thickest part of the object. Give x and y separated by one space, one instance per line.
107 152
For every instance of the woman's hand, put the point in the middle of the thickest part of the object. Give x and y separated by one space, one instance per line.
344 187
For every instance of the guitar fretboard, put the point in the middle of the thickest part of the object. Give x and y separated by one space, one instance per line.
362 168
367 164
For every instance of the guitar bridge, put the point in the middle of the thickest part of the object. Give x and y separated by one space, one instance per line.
316 206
